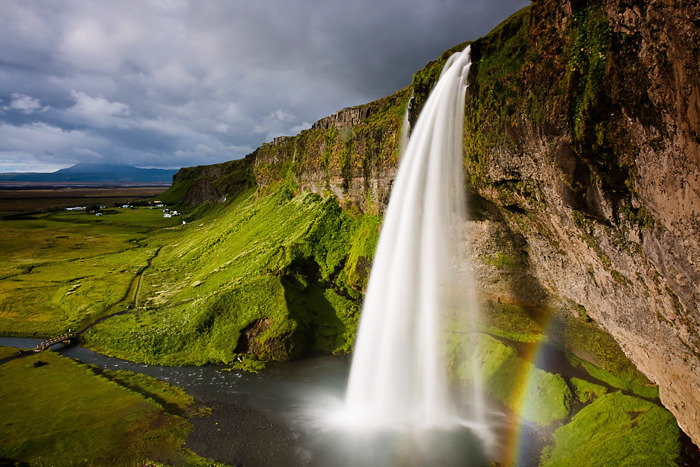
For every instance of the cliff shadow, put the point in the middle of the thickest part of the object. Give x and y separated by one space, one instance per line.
306 297
510 293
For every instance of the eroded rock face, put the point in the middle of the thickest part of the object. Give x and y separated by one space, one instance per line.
629 254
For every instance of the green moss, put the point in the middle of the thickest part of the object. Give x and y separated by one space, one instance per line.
622 380
677 305
493 100
219 180
588 56
346 153
503 261
616 430
514 321
640 216
536 395
586 391
597 351
620 278
247 363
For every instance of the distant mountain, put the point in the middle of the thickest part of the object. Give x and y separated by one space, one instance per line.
88 173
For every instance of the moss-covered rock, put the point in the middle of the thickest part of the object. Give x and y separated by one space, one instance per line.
616 430
534 394
586 391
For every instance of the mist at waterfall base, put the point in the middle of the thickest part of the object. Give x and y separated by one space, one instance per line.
399 407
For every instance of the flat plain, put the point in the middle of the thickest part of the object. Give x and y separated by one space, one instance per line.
22 199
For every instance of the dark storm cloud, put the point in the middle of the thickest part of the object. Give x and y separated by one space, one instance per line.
165 83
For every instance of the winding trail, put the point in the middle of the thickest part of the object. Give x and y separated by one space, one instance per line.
69 338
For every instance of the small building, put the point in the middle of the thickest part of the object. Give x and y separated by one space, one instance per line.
76 208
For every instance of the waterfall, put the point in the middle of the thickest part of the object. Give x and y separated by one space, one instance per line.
398 375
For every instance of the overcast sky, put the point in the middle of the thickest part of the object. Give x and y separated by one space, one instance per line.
171 83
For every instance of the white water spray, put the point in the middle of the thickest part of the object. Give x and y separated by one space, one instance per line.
398 377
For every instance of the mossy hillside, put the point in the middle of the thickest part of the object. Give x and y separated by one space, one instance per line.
63 270
616 429
274 276
591 424
63 413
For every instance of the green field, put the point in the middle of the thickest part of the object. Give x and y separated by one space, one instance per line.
64 270
43 198
61 412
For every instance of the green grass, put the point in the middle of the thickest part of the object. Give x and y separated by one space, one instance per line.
616 430
297 263
66 269
171 398
63 413
597 351
622 380
586 343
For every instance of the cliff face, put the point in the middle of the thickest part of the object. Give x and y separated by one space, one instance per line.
593 157
582 144
352 154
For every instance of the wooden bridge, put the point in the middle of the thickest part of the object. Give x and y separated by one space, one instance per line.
63 338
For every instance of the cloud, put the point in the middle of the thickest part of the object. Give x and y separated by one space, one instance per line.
163 83
97 111
276 123
40 143
25 104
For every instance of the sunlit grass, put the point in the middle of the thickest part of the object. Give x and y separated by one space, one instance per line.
64 413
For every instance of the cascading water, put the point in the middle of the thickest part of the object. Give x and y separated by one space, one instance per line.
398 377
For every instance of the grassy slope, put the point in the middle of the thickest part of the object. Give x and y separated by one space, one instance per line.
287 262
63 413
